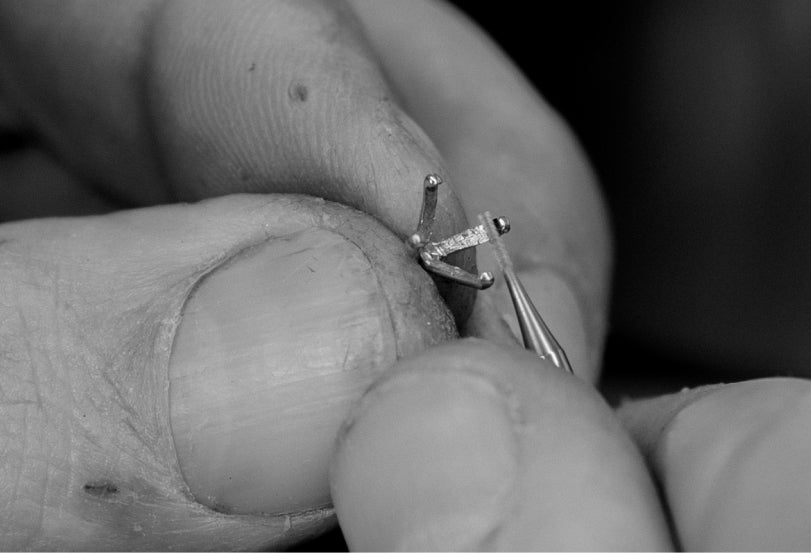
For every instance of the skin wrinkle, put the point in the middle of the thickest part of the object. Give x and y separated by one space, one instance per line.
19 468
27 335
132 418
59 364
98 404
18 477
45 488
34 358
649 433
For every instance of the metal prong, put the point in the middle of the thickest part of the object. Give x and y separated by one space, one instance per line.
432 181
502 225
427 212
454 273
416 240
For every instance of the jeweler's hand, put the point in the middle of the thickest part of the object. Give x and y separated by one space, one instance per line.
125 104
113 105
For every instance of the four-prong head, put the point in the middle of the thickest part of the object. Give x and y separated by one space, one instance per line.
431 253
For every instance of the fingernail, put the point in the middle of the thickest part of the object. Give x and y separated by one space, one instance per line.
248 422
272 349
428 463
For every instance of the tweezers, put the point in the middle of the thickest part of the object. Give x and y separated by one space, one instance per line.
535 333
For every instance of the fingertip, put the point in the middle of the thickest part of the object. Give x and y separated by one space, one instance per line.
733 460
648 419
427 462
536 462
277 97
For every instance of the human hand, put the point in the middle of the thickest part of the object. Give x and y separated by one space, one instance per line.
129 104
191 100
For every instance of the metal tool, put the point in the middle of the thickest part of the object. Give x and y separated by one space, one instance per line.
537 336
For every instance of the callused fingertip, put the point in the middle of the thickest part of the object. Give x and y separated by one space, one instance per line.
428 462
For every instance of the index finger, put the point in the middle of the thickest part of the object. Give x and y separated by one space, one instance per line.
160 101
509 153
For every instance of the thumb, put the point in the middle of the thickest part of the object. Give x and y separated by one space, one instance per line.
471 446
173 377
